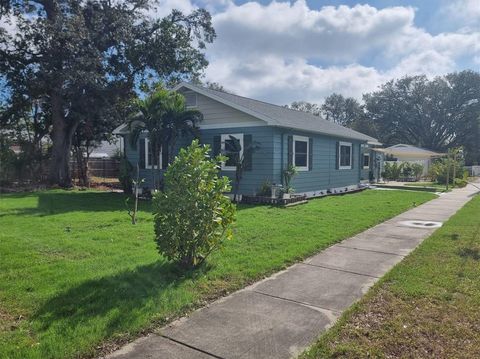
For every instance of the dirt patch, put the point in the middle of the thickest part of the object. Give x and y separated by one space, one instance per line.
391 327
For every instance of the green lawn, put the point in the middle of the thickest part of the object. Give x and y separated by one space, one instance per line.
76 277
437 186
426 307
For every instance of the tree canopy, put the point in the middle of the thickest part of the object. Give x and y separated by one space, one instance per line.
437 114
82 60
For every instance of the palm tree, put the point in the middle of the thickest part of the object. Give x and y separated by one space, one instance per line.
165 117
148 115
179 121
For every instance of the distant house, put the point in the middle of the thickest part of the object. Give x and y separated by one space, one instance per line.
327 156
408 153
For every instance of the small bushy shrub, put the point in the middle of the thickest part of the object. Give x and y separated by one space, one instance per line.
265 189
193 217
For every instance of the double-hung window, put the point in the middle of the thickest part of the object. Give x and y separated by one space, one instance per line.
229 147
366 161
149 157
345 156
300 153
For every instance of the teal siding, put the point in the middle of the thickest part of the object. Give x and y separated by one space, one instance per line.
262 159
269 161
323 174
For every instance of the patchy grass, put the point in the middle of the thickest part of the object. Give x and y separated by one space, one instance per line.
426 307
76 278
439 187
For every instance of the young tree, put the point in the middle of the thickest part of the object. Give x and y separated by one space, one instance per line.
75 55
193 216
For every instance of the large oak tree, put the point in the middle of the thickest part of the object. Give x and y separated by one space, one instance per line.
79 60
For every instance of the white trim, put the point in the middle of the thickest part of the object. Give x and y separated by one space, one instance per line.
301 139
363 161
230 125
223 138
346 144
150 166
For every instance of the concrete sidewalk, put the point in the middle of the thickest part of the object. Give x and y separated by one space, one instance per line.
282 315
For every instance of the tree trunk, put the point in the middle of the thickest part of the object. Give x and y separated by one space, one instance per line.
62 135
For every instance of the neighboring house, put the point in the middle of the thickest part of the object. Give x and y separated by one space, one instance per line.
412 154
108 149
327 156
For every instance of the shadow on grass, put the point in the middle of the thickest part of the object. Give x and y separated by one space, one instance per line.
119 298
51 203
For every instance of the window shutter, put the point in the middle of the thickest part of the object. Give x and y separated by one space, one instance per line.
352 156
141 161
310 154
290 150
164 156
247 152
337 156
217 144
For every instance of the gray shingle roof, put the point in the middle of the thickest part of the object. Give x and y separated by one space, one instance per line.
284 117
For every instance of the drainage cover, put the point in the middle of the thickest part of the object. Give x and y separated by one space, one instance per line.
421 224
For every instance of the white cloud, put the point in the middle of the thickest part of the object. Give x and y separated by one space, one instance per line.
285 51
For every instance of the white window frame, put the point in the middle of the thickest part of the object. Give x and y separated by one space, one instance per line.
363 161
301 139
346 144
223 138
147 149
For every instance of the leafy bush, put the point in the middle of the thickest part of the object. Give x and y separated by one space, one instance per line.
392 171
265 189
438 170
288 175
193 216
417 170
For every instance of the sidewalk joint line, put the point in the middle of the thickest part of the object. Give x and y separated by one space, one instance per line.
340 270
372 250
191 347
297 302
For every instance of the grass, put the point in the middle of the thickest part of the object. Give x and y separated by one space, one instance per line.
76 278
437 186
425 307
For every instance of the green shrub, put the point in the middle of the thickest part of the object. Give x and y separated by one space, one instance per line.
393 171
265 189
417 170
193 217
438 170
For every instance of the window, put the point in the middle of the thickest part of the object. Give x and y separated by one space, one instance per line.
345 156
300 153
366 160
148 156
229 149
190 99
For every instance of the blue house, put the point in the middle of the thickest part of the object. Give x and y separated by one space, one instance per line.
328 157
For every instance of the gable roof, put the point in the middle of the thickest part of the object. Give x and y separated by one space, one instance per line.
279 116
409 150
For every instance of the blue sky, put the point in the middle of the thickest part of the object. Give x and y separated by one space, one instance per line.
283 51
